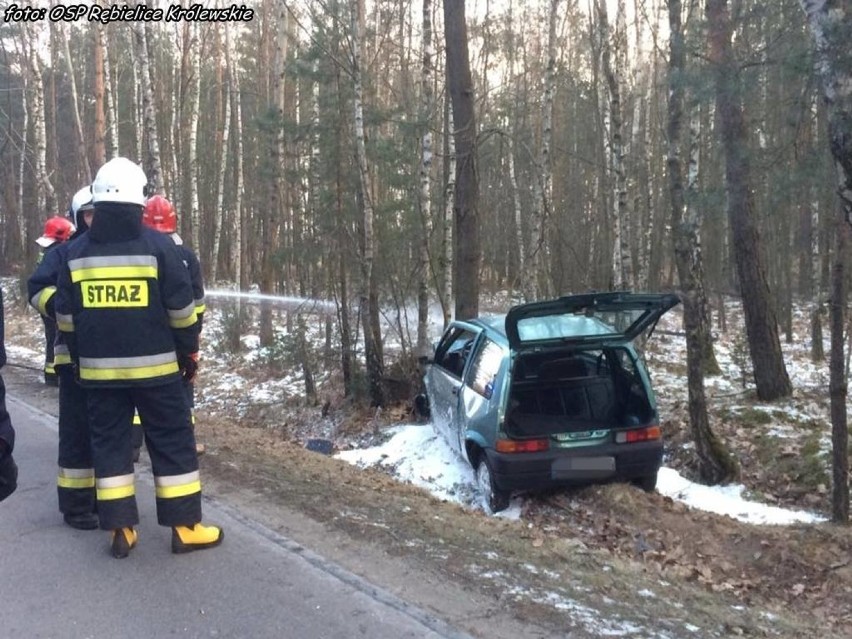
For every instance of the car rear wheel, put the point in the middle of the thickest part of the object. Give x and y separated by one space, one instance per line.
492 498
648 483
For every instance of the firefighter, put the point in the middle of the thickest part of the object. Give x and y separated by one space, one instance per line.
161 216
8 469
75 483
125 304
56 231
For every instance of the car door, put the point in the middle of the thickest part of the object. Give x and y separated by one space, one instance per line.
444 380
479 395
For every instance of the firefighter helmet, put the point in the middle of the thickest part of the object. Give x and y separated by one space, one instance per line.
80 203
160 215
120 180
56 229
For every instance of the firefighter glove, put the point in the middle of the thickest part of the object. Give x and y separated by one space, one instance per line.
188 366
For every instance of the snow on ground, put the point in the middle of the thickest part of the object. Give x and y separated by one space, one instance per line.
414 453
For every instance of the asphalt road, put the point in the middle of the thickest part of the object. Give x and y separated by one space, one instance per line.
63 583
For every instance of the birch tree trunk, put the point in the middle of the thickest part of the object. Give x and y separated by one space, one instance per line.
447 235
536 283
138 138
85 172
111 138
622 275
375 371
830 25
22 165
715 464
467 241
522 276
192 142
693 225
770 374
220 188
812 261
152 159
236 107
45 196
100 91
426 109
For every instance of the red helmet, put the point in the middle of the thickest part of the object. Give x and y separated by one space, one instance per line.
160 215
56 229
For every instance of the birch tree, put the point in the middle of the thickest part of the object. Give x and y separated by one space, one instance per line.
22 161
45 196
622 272
446 267
375 371
85 172
110 99
426 109
152 158
544 183
830 25
192 134
237 206
100 93
223 162
715 463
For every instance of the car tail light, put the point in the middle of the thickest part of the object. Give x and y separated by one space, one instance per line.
639 435
521 445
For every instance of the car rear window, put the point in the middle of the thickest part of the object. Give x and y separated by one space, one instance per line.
547 327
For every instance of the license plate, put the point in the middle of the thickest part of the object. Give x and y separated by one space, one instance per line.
568 467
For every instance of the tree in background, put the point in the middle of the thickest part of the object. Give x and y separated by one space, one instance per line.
831 29
466 231
770 374
715 463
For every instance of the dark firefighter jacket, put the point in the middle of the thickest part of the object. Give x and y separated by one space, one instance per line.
41 291
125 302
194 266
7 433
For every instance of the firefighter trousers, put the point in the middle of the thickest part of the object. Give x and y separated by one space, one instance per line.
49 339
75 483
139 432
171 447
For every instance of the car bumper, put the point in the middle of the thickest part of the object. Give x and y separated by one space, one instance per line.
561 466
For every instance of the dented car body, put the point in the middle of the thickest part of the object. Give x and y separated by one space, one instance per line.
551 394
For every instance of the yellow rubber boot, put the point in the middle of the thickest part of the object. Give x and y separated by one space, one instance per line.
197 537
123 540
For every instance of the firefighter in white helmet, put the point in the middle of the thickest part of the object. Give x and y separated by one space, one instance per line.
75 483
125 303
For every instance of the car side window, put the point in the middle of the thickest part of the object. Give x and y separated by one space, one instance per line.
453 351
486 365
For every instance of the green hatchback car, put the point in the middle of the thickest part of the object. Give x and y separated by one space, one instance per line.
551 394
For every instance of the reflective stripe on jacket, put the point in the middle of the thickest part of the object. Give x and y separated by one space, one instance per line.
129 307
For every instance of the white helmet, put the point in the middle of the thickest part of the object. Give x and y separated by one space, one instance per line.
82 201
120 180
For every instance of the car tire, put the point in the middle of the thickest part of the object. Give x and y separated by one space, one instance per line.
492 498
421 406
648 483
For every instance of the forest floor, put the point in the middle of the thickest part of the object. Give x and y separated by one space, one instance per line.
603 560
